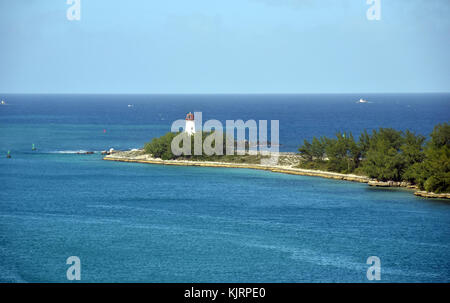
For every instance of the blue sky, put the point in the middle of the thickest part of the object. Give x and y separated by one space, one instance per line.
224 46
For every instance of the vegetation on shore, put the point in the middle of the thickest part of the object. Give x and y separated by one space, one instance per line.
386 155
161 148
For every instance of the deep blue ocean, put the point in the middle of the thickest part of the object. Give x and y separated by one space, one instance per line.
148 223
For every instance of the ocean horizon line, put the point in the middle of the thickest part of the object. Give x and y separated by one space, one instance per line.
228 94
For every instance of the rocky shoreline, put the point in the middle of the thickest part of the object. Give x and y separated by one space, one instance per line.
377 183
139 157
426 194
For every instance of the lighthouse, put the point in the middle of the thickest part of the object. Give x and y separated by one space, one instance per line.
190 124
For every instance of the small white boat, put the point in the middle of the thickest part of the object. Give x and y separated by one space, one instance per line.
3 102
362 101
130 105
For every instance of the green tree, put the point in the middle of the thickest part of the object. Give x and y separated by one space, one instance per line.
340 154
161 147
343 153
364 143
318 148
336 152
306 151
433 174
413 155
383 158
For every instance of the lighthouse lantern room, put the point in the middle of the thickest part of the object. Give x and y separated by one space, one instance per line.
190 124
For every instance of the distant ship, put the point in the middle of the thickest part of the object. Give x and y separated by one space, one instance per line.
130 105
362 101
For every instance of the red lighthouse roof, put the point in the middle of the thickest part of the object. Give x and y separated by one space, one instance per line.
190 116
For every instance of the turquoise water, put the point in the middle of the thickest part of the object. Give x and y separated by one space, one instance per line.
148 223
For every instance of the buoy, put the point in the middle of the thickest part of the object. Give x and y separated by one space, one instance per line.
8 155
104 131
33 147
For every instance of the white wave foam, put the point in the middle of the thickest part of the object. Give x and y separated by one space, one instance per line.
81 151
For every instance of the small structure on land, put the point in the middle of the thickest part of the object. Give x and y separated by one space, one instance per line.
190 124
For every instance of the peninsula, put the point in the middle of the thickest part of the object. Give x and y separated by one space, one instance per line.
385 158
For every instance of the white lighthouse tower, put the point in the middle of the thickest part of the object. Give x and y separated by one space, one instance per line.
190 124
